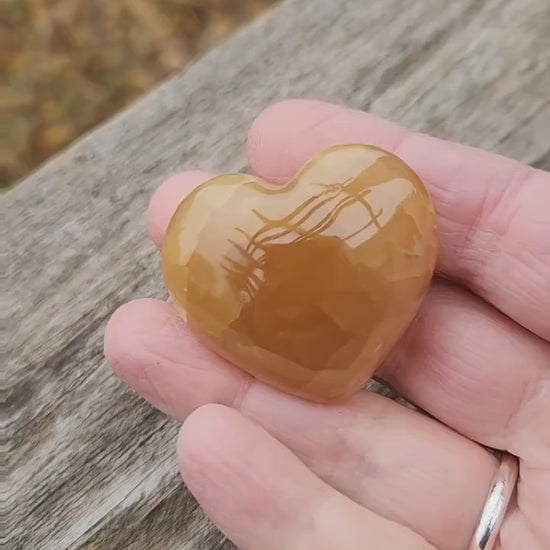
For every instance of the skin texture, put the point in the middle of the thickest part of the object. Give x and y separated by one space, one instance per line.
274 471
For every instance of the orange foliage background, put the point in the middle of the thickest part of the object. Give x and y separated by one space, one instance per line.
69 64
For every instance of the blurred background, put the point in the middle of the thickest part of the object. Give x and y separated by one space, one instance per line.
69 64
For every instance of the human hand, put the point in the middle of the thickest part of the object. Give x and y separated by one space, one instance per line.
273 471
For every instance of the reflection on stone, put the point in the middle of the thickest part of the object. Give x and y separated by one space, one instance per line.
307 287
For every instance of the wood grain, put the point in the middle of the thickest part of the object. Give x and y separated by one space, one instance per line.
89 464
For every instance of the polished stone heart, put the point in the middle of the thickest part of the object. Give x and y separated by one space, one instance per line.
307 287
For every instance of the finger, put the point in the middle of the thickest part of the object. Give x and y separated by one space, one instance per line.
493 215
475 370
395 461
459 361
168 197
263 497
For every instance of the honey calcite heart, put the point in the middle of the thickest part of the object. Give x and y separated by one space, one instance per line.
309 286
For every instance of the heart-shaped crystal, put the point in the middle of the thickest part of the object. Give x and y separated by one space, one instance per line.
307 287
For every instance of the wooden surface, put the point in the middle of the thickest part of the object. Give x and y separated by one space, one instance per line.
90 466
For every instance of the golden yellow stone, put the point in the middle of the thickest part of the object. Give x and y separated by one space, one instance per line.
309 286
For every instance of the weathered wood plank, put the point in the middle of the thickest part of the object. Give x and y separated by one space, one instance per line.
89 464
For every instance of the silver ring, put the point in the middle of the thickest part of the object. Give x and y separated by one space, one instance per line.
498 498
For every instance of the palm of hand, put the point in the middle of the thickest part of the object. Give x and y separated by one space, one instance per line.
273 471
